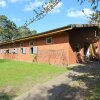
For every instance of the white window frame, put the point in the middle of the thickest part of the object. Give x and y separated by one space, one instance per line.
4 51
23 50
35 50
0 51
14 50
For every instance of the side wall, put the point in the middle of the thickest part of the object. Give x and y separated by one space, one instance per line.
80 37
55 53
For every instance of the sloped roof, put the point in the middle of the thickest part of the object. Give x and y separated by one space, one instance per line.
54 31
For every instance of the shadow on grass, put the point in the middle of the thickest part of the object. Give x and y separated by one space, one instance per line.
88 78
4 60
82 86
61 92
5 96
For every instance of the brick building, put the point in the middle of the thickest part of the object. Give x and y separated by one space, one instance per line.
62 46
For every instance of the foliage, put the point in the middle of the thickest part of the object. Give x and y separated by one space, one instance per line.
95 17
8 29
24 31
94 3
42 11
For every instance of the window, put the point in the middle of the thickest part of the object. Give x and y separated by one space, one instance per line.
49 40
31 43
14 51
9 51
23 50
4 51
33 50
0 51
21 44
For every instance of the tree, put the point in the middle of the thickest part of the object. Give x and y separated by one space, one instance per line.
95 17
94 3
8 29
42 11
24 31
33 32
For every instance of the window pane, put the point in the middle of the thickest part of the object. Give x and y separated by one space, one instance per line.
30 43
49 40
31 50
35 50
21 44
1 51
24 50
21 50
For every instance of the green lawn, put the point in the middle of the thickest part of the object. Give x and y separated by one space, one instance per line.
16 73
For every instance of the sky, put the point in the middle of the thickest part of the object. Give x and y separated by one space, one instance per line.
65 13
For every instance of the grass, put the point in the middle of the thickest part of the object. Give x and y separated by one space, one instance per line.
16 73
94 93
90 78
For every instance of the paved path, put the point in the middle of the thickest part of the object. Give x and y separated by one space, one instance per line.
68 86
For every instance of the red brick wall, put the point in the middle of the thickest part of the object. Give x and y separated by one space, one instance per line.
55 53
60 52
80 36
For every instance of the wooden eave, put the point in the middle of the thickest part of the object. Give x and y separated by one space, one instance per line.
51 32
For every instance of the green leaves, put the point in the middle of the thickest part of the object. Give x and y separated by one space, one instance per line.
9 30
95 17
24 31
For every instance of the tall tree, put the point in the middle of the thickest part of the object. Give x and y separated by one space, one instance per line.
24 31
8 29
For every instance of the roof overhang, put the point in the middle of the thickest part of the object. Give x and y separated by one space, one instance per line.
51 32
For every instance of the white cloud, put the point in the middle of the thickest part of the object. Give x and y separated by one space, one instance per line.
33 5
16 19
3 3
57 8
78 13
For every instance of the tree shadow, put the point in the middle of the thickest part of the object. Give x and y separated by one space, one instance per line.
86 84
8 93
61 92
83 84
90 76
66 92
3 60
5 96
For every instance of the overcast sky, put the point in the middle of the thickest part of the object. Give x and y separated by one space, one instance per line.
65 13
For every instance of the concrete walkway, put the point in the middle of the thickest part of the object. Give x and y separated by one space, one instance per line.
68 86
